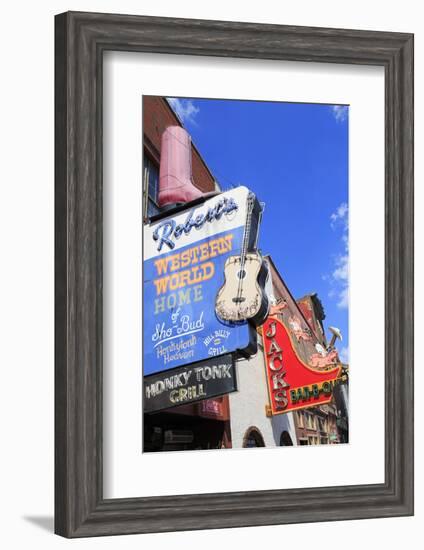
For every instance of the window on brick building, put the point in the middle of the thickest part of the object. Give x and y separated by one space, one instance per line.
300 419
322 424
150 188
310 421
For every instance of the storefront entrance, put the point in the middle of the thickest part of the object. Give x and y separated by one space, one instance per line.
202 426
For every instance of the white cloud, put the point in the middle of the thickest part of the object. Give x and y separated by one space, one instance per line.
344 355
343 302
339 278
340 112
185 109
340 216
341 273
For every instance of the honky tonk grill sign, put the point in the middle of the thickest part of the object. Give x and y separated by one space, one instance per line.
190 384
292 384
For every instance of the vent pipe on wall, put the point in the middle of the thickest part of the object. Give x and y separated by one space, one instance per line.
175 174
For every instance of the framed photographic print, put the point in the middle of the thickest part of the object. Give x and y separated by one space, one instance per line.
234 274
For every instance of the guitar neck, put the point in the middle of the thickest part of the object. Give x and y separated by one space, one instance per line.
246 235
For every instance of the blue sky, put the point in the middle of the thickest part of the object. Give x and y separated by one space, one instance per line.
294 156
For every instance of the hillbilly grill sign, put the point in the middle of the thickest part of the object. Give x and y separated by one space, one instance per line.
184 256
183 385
292 384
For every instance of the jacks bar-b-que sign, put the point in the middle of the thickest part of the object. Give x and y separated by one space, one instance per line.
183 385
293 384
183 269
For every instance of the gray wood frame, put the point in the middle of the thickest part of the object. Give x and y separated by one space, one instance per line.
80 40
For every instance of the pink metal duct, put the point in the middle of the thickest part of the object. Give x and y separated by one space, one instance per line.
175 174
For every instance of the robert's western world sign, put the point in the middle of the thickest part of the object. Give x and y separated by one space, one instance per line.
183 385
183 269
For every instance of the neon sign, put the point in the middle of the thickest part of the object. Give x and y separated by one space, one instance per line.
184 255
292 384
168 230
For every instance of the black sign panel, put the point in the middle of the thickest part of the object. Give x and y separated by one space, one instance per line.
188 384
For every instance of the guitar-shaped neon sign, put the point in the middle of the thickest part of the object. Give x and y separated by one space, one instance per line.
242 296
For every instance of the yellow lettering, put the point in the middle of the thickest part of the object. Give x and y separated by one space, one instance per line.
175 262
161 265
174 282
161 285
185 258
208 271
204 248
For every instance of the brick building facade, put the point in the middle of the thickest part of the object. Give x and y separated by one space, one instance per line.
157 116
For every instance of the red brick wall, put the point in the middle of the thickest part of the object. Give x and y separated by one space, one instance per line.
157 116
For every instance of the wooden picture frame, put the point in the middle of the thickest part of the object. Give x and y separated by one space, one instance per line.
81 39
